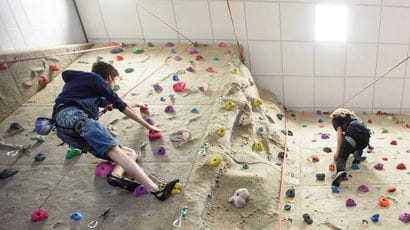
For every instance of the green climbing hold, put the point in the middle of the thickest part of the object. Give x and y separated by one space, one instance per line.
38 138
304 126
245 166
116 87
385 131
129 70
99 58
278 163
260 118
138 51
364 113
72 152
260 129
288 207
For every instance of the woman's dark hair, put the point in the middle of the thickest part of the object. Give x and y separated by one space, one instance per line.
104 70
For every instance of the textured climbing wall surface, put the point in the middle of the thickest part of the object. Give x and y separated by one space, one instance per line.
249 150
20 81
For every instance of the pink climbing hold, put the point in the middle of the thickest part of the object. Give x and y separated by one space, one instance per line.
210 69
39 215
179 87
198 58
190 69
203 87
161 150
103 169
378 166
350 202
363 188
169 109
192 51
177 58
325 136
222 44
139 191
370 149
143 110
169 44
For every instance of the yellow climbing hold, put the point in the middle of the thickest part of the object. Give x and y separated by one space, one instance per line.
176 189
235 70
257 102
258 146
221 131
216 160
229 105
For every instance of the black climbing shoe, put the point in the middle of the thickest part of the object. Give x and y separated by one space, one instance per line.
122 183
165 190
339 177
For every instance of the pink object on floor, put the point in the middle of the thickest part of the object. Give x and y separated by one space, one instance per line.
103 169
39 215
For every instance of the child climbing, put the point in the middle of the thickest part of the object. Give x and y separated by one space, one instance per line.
75 115
352 137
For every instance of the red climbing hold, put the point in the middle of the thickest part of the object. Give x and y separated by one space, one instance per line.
43 80
198 58
401 166
143 110
53 67
119 58
154 135
332 167
112 44
369 121
384 202
379 113
315 158
393 142
39 215
385 158
408 126
391 189
3 66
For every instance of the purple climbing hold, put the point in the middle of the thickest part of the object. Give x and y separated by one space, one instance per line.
318 112
350 202
139 191
177 58
405 217
370 149
169 109
149 121
161 150
192 51
157 87
363 188
169 44
325 136
378 166
190 69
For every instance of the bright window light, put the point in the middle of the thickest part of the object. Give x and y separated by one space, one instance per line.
331 22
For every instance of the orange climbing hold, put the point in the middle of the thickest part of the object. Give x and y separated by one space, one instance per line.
332 167
385 158
384 202
391 189
303 112
53 67
379 113
119 58
112 44
43 80
401 166
315 158
321 126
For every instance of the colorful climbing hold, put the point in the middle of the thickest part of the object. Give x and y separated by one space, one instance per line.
378 166
235 70
169 109
350 202
216 160
401 166
229 105
169 44
369 121
287 207
129 70
385 158
154 135
143 110
157 87
307 219
355 166
383 202
320 120
116 50
175 78
3 66
393 142
320 176
210 69
216 59
324 136
332 167
318 112
391 189
222 44
39 215
375 218
194 110
363 188
258 146
72 152
53 67
385 131
245 166
198 58
116 87
161 150
315 159
103 169
203 87
379 113
99 58
190 69
179 87
221 131
43 80
172 50
257 102
192 51
112 44
138 51
76 216
370 149
290 193
260 129
39 157
162 99
405 217
149 120
119 58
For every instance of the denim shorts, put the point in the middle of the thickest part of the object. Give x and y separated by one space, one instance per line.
94 136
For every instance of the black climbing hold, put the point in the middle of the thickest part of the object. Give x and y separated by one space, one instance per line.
281 155
15 126
293 115
327 150
290 133
320 176
307 219
280 116
116 50
150 44
8 173
290 192
39 157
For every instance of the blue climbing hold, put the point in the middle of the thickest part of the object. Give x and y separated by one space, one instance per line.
320 120
162 99
173 51
355 166
175 78
375 218
216 59
194 110
76 216
335 189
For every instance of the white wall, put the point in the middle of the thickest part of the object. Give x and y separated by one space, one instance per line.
37 23
279 41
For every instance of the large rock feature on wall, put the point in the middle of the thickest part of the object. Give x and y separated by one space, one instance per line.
20 80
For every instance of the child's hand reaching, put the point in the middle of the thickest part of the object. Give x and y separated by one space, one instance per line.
153 128
142 105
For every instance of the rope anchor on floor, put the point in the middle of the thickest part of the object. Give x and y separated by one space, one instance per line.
178 221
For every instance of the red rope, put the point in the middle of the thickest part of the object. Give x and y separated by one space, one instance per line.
169 26
55 55
234 29
282 177
373 82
